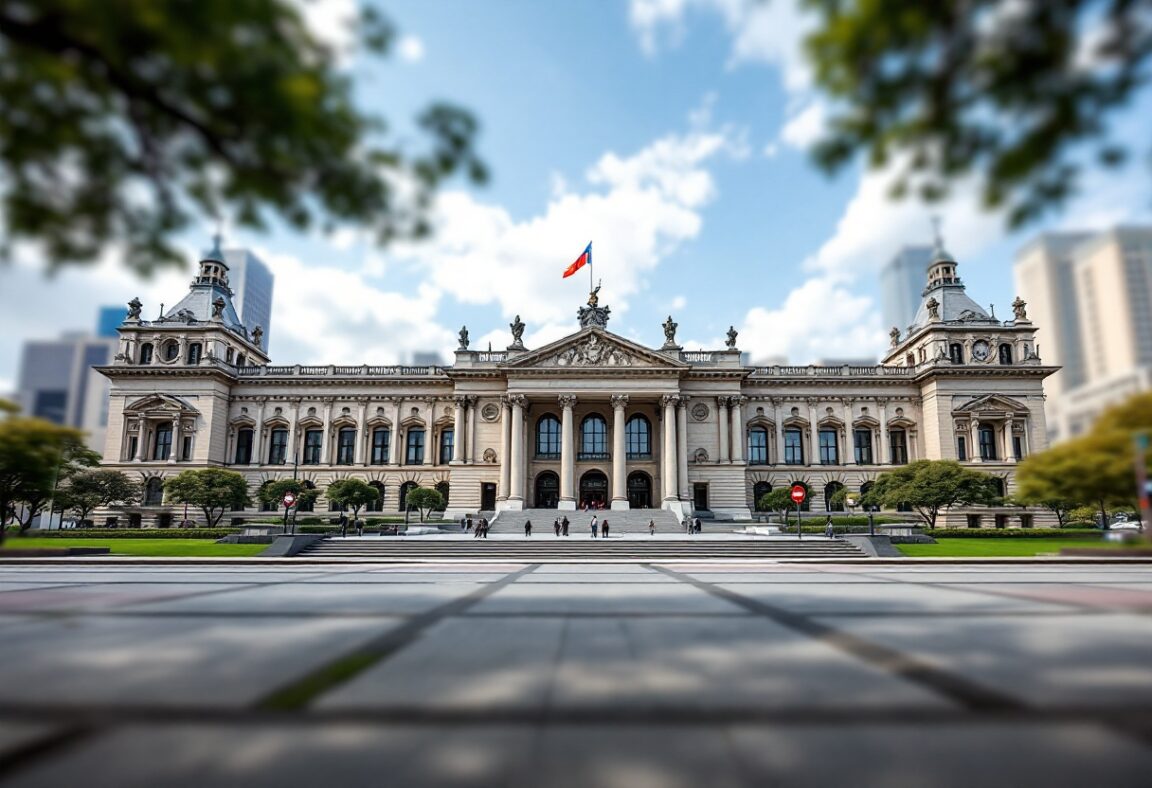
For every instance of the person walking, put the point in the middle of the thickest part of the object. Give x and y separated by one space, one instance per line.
696 525
486 526
527 527
463 523
604 528
556 526
595 525
479 528
343 524
829 531
469 522
564 525
651 527
359 527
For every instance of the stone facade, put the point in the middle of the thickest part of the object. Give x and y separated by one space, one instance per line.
592 417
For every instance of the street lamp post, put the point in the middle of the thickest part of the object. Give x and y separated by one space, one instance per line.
851 500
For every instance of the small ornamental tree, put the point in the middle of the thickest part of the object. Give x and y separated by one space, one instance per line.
425 500
88 490
931 485
839 499
273 493
213 490
354 493
777 500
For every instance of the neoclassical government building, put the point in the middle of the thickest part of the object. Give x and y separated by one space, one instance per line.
591 418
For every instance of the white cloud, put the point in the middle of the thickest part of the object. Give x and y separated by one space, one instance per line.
806 126
770 150
333 22
410 49
678 303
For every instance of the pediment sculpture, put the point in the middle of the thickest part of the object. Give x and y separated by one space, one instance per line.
592 352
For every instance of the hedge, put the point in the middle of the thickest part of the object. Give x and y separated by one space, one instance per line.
810 518
131 533
1014 533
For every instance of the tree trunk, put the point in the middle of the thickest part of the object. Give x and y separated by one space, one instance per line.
1103 516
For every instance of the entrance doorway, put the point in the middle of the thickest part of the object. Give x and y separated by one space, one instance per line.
547 490
487 496
700 497
594 489
639 490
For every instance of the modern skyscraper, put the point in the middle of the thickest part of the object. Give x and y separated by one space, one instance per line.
1091 293
251 281
108 320
901 283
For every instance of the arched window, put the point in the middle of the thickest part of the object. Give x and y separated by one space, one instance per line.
759 490
146 353
638 438
309 506
865 488
229 355
266 506
807 505
593 438
998 486
547 490
154 491
170 349
830 490
987 442
376 505
758 447
548 438
443 488
1005 353
956 353
240 360
194 351
405 488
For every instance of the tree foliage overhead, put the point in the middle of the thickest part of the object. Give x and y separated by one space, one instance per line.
91 489
1008 89
355 493
778 500
213 490
124 121
931 485
425 500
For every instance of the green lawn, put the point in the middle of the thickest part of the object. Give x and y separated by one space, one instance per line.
976 547
145 547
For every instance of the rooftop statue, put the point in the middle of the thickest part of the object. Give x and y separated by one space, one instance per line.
517 334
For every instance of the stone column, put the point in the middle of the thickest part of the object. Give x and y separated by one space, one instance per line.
290 448
257 435
394 445
722 420
505 448
361 438
431 445
682 448
567 454
668 466
141 436
619 453
738 438
883 405
813 434
516 482
326 435
174 452
848 450
470 447
458 437
778 417
1008 440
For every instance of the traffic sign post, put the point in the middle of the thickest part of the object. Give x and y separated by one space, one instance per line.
289 502
798 493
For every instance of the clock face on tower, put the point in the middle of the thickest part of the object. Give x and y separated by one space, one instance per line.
980 350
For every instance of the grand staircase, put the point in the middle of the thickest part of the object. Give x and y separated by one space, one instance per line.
625 521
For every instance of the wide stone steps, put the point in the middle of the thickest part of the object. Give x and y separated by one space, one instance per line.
547 548
623 521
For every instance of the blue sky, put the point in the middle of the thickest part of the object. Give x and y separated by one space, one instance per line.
671 133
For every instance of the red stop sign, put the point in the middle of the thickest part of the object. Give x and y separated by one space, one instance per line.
289 499
798 494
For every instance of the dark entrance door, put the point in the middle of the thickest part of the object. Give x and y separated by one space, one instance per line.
594 489
639 490
547 490
700 497
487 496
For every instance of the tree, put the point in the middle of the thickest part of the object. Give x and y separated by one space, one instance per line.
34 455
839 499
777 500
356 493
931 485
122 125
91 489
214 490
1014 91
425 500
273 493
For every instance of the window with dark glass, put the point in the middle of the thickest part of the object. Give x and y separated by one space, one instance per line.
961 448
229 355
758 446
171 350
447 441
987 443
593 438
793 447
244 447
863 440
346 446
759 490
146 353
313 441
956 353
194 350
548 438
1005 354
186 448
278 447
638 438
1017 447
898 440
132 446
162 447
381 439
415 447
829 450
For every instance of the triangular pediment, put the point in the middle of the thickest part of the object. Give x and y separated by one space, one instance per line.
594 348
160 403
992 403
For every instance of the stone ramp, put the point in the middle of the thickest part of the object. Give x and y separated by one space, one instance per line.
624 521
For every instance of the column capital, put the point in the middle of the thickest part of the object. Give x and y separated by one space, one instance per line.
517 400
669 399
567 401
461 400
619 401
722 402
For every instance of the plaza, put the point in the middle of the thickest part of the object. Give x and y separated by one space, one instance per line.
647 673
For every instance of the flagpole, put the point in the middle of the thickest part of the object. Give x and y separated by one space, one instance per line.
589 266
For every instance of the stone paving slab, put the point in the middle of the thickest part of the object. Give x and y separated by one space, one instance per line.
820 578
1072 596
885 598
14 735
384 578
94 597
1050 661
163 661
603 599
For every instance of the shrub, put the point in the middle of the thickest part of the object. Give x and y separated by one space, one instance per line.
136 533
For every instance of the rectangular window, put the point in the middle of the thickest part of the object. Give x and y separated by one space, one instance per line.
313 439
447 438
1017 447
758 447
415 449
132 445
278 447
793 447
987 443
163 446
346 446
863 440
829 450
186 448
244 447
381 438
961 448
899 443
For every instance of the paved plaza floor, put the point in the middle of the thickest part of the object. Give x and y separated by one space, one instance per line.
646 674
